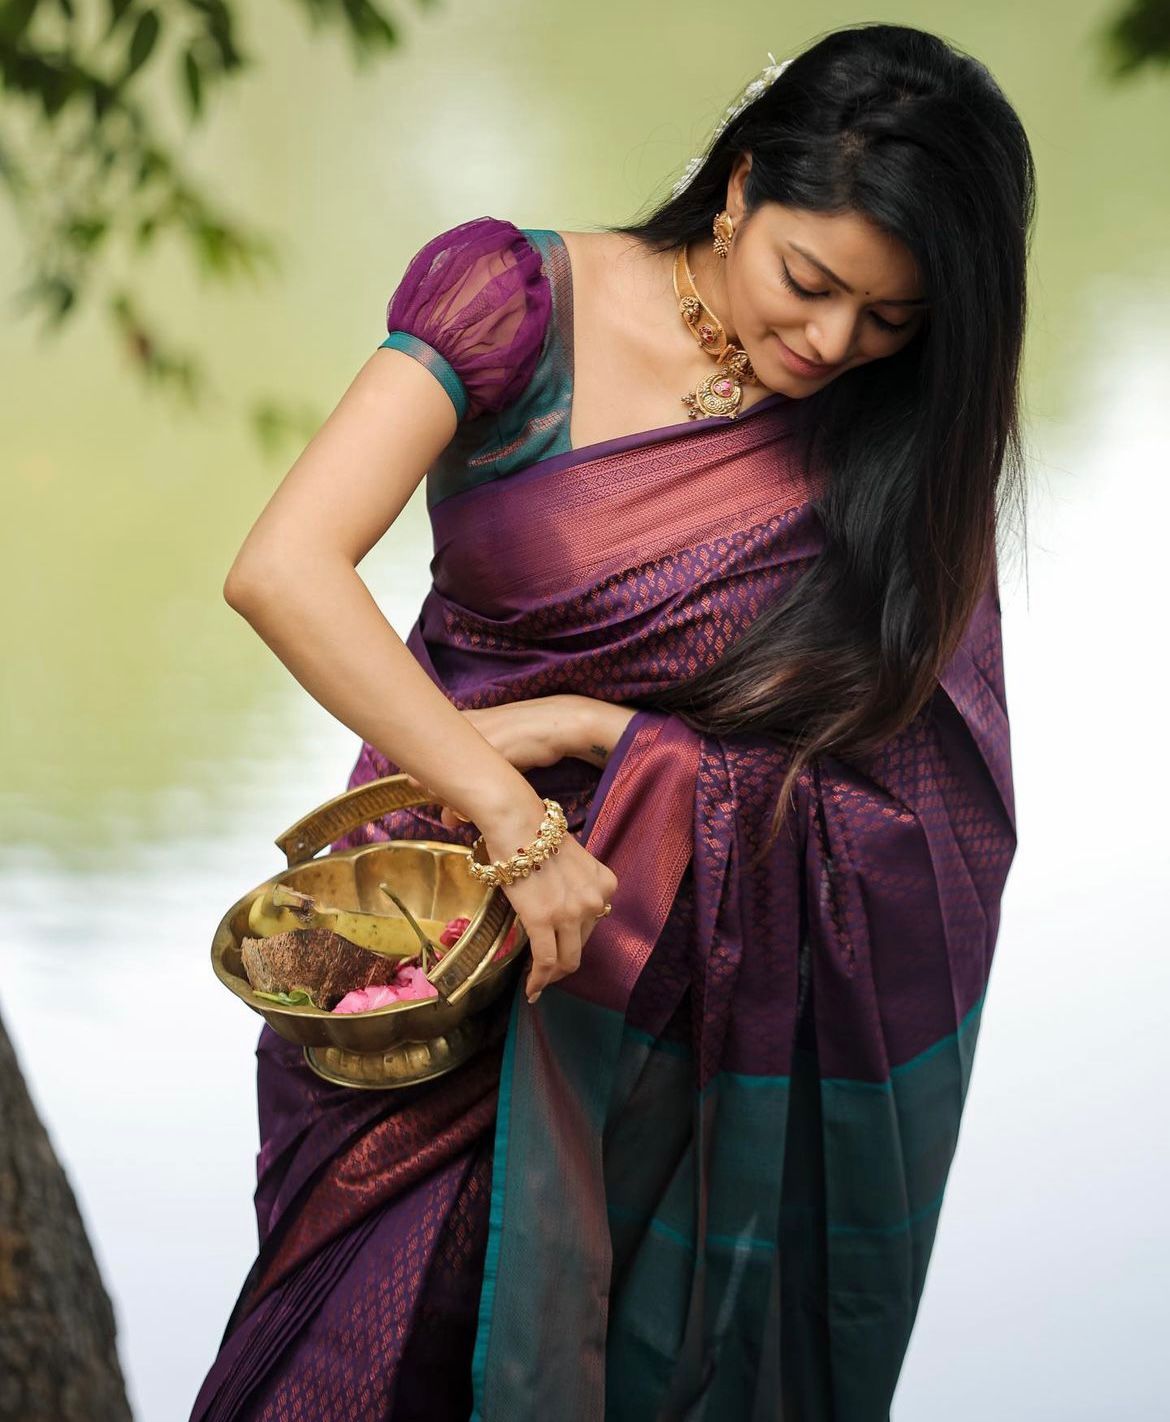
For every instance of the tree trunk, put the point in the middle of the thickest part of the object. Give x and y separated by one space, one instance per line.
58 1362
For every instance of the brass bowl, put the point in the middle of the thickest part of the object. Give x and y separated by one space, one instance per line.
407 1042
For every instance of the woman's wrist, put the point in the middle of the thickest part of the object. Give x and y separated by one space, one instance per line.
510 821
596 727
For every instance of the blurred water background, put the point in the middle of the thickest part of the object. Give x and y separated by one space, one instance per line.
153 747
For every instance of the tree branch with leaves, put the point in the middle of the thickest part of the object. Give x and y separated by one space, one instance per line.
96 185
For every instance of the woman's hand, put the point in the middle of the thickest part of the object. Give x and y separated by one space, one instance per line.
538 731
545 729
559 904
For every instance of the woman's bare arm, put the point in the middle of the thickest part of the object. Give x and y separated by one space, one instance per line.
295 581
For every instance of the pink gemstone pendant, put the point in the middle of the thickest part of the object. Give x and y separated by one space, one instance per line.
719 393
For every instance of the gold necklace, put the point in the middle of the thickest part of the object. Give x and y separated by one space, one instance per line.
721 392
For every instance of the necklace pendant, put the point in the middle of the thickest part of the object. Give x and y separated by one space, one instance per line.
719 393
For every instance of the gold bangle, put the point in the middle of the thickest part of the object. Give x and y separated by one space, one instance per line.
505 871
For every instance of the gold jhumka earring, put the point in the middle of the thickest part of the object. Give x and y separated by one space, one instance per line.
723 228
721 392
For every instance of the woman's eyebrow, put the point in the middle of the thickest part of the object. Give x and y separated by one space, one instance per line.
905 301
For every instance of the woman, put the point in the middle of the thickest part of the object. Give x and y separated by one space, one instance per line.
754 656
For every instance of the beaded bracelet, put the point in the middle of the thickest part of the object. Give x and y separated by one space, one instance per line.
520 865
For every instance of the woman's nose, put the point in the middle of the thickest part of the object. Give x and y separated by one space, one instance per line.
831 337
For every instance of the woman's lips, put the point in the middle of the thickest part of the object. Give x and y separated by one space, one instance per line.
800 366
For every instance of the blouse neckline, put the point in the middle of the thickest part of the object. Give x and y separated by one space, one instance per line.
617 443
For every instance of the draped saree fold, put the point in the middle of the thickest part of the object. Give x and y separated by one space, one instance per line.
702 1175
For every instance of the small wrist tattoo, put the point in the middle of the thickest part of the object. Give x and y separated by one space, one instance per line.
600 752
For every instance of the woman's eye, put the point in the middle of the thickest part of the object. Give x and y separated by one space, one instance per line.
811 296
795 287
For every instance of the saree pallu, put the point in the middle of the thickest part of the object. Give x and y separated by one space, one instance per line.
701 1177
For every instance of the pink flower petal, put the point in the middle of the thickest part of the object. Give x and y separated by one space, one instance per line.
368 999
411 983
453 931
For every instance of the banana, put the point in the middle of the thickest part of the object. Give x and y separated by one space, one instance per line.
283 908
265 919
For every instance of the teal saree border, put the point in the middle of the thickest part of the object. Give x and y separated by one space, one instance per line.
932 1074
491 1264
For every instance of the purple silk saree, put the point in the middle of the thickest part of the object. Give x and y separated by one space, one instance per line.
700 1178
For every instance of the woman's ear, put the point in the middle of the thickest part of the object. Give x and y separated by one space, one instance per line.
735 204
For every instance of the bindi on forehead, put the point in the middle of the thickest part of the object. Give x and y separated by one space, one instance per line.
844 285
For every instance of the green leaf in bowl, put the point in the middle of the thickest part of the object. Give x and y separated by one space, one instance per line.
298 997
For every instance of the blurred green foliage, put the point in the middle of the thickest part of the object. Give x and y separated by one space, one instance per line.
1138 36
92 87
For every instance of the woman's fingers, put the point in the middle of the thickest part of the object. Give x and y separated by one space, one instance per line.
568 949
559 911
543 942
550 965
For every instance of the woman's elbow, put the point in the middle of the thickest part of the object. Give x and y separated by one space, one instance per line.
242 586
260 581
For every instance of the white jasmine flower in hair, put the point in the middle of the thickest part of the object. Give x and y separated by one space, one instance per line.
689 172
767 77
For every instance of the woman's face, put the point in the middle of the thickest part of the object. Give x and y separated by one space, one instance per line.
810 295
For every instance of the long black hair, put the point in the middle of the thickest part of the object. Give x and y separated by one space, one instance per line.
921 449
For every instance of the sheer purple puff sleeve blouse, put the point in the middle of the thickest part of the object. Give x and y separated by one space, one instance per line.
473 306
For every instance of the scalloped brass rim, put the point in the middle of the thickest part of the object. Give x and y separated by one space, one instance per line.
406 1064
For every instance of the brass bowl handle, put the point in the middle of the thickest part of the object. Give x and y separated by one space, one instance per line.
346 812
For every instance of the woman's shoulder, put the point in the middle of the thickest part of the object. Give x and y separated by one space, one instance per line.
489 253
477 295
513 246
478 235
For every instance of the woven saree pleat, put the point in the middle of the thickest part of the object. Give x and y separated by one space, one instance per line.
281 1316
